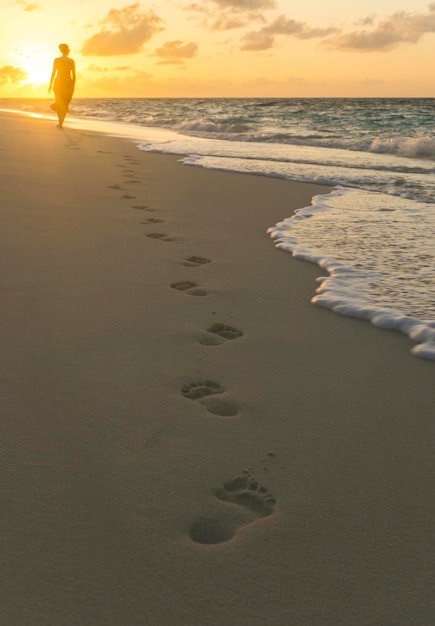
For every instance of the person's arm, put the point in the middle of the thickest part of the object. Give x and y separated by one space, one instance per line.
53 74
73 75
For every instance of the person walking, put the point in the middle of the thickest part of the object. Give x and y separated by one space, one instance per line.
63 80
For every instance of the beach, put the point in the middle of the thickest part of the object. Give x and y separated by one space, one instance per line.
186 439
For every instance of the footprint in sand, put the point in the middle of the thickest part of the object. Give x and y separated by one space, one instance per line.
195 261
117 187
190 288
160 236
153 220
142 207
204 393
127 196
253 501
129 158
218 333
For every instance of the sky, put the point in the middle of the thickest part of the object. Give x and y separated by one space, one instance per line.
222 48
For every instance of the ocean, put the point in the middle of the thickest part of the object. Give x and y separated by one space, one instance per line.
374 233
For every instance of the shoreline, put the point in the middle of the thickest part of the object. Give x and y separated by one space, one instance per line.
156 347
331 293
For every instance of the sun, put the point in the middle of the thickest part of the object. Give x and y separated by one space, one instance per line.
35 62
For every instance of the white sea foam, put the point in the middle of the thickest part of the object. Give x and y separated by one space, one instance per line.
209 127
371 276
419 147
327 166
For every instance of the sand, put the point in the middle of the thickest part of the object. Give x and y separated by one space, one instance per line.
186 440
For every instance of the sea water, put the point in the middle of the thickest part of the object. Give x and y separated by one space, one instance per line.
374 233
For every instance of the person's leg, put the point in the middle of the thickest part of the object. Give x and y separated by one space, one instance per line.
61 113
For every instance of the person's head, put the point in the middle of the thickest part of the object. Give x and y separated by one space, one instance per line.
63 47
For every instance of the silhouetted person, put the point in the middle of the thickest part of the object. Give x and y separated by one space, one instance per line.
64 77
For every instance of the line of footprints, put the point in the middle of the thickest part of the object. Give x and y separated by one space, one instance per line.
251 499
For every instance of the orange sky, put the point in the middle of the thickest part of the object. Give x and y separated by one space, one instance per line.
217 48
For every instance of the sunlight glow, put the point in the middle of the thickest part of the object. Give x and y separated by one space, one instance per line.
34 61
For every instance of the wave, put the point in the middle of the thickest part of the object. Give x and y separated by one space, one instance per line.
334 158
207 126
291 122
414 147
421 147
352 289
410 147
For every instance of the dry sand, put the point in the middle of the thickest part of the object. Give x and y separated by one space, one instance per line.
159 468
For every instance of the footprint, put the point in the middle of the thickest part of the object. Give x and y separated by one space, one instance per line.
194 391
250 493
160 236
189 287
218 333
118 187
208 530
153 220
127 196
205 392
127 157
195 261
143 207
251 498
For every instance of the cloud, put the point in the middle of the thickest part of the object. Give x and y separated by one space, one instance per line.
230 20
401 27
286 26
231 14
263 39
257 40
246 5
366 21
96 68
227 23
124 31
194 6
313 33
9 73
174 52
28 6
93 67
